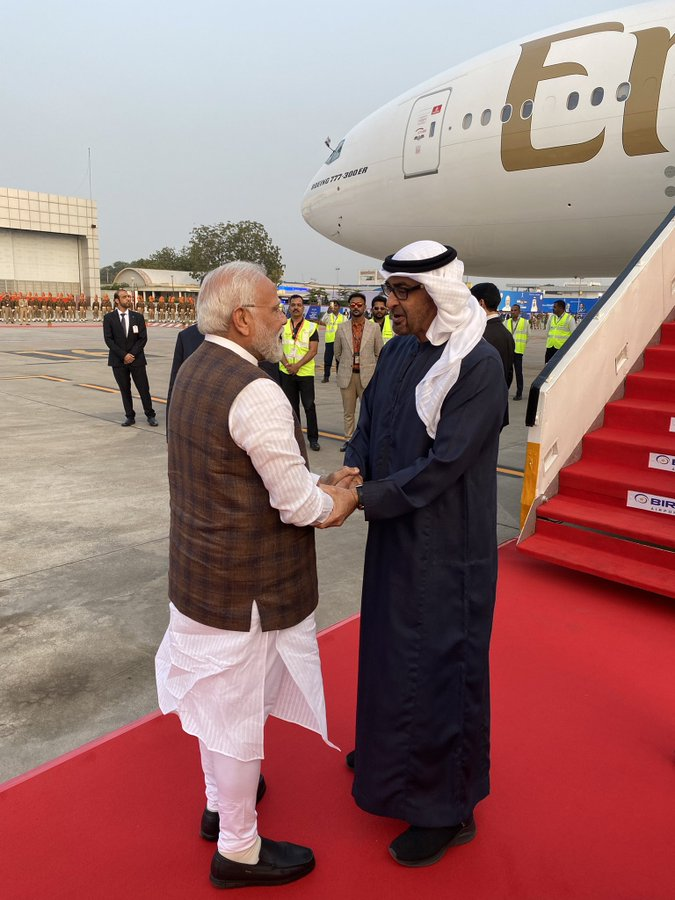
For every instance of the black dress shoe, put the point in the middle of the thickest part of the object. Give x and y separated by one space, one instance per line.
279 863
418 846
325 380
128 423
343 448
210 827
518 397
153 421
350 759
314 445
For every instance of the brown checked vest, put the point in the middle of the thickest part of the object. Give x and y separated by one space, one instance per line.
228 546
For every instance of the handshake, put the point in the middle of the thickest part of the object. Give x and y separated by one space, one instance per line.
341 486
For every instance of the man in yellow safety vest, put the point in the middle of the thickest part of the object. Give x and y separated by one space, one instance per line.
331 320
560 327
378 307
520 329
300 341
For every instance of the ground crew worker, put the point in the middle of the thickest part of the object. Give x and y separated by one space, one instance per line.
520 329
560 327
300 341
381 317
331 320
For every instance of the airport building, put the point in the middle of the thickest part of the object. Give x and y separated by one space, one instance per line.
153 282
48 243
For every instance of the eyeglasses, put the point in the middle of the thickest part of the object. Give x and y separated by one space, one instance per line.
274 309
400 291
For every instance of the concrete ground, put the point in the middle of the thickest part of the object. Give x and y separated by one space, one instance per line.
84 527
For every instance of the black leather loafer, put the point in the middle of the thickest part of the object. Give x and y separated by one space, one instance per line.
279 863
314 445
210 827
418 846
128 423
153 421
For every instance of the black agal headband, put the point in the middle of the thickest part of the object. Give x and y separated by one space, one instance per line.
391 264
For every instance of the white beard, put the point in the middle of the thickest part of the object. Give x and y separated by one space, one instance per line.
268 345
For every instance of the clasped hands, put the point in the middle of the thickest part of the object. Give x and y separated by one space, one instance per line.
341 486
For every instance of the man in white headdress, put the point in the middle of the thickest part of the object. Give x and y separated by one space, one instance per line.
426 445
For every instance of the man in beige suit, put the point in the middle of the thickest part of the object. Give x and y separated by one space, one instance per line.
357 344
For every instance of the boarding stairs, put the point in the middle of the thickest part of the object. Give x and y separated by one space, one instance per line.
599 492
587 525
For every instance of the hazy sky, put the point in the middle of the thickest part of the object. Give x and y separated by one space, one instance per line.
207 111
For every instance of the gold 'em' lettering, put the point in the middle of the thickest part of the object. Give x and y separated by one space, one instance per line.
517 151
646 76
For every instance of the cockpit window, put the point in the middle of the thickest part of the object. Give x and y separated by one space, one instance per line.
335 154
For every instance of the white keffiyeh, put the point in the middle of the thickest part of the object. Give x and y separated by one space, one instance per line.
460 321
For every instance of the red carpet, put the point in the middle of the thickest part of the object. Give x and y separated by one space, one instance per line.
582 803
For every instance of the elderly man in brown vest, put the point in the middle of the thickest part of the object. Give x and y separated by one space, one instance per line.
241 643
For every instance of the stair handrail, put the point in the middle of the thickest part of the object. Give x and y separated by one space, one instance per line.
548 447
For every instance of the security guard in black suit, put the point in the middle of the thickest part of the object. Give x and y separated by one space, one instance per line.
125 334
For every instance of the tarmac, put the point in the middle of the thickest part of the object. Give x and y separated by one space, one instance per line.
84 527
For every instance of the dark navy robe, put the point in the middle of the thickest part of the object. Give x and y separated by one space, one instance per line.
423 709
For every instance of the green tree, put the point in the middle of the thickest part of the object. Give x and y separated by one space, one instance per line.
167 258
107 273
318 295
213 245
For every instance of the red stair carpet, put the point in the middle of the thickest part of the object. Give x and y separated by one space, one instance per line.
589 525
582 804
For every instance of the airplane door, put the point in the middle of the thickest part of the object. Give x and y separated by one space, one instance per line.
422 145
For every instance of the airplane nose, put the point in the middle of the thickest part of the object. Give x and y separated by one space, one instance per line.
349 191
320 206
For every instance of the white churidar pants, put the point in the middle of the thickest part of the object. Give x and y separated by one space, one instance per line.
223 685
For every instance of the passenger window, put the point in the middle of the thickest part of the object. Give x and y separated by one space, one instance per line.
623 92
597 96
573 100
486 115
526 109
466 121
506 113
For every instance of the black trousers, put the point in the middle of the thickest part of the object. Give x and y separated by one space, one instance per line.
123 376
550 351
328 351
518 371
301 388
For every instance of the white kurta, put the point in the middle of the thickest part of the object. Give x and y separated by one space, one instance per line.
221 683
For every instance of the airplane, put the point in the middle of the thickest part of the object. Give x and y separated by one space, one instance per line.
549 157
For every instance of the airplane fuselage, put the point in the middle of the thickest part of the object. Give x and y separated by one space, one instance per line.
548 157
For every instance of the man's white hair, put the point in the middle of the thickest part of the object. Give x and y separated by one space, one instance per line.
222 291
